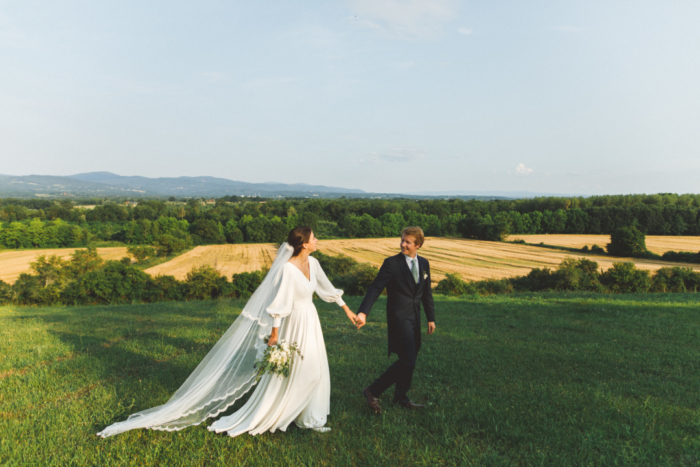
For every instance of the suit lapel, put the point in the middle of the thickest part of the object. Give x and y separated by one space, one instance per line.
403 265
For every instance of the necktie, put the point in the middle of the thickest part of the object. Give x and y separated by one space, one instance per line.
414 269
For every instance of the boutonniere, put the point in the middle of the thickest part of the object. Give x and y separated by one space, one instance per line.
425 276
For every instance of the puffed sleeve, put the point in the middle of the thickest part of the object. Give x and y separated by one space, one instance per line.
281 306
324 288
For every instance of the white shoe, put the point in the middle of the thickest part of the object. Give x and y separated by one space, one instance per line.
322 429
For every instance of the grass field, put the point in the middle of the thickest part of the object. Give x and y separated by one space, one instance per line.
656 244
15 262
552 379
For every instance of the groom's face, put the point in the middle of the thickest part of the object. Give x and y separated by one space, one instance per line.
409 246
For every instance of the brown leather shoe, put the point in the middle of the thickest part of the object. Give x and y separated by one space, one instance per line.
410 405
372 401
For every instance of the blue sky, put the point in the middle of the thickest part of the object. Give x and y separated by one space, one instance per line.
388 96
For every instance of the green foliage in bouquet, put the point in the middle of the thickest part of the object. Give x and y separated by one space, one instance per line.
277 359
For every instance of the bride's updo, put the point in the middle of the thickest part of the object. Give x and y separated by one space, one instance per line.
297 237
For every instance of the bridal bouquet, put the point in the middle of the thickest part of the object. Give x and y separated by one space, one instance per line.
276 359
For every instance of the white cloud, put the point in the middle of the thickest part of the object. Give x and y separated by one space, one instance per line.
404 19
465 31
569 29
521 169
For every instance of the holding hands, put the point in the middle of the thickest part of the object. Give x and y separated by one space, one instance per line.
352 316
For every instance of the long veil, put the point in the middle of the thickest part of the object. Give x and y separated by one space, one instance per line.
225 374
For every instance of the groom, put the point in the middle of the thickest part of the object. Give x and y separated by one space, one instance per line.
406 277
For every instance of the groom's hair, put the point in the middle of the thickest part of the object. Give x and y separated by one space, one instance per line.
297 237
415 232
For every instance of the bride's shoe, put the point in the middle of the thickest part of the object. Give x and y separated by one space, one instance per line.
322 429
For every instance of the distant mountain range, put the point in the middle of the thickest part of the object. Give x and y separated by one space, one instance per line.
107 184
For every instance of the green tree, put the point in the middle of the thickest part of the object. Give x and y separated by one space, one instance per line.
167 244
84 261
627 241
625 278
141 253
51 270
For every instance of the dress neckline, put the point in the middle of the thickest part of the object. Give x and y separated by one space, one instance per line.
308 279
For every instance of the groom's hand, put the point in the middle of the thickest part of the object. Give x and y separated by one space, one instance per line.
361 320
431 327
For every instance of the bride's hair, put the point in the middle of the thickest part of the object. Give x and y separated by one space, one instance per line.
297 237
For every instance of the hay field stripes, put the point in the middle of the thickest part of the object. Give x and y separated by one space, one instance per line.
656 244
471 259
227 259
14 262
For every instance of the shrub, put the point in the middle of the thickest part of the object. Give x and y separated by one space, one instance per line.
358 280
453 285
536 280
203 283
675 280
625 278
26 290
141 253
494 286
243 284
627 241
167 244
5 292
113 284
163 288
335 266
578 275
597 250
84 261
681 257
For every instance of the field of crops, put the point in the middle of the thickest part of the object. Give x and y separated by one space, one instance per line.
471 259
15 262
227 259
656 244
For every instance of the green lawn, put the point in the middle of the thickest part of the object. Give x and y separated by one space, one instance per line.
557 379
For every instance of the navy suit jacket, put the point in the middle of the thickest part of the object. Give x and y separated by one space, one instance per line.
404 298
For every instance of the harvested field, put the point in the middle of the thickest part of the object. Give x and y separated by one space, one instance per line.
471 259
474 259
227 259
656 244
13 262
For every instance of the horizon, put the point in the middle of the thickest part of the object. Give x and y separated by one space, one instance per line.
386 96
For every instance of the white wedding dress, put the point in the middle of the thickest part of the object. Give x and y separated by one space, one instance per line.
227 372
304 396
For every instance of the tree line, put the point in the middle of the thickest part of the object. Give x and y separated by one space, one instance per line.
47 223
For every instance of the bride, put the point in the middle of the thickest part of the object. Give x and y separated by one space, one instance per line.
281 307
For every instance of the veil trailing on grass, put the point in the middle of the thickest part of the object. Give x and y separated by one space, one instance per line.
226 373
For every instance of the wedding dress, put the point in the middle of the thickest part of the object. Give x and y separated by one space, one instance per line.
305 395
283 299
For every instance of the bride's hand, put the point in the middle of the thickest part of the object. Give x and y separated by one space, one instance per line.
272 340
352 316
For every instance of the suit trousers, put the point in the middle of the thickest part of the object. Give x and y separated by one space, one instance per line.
401 372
